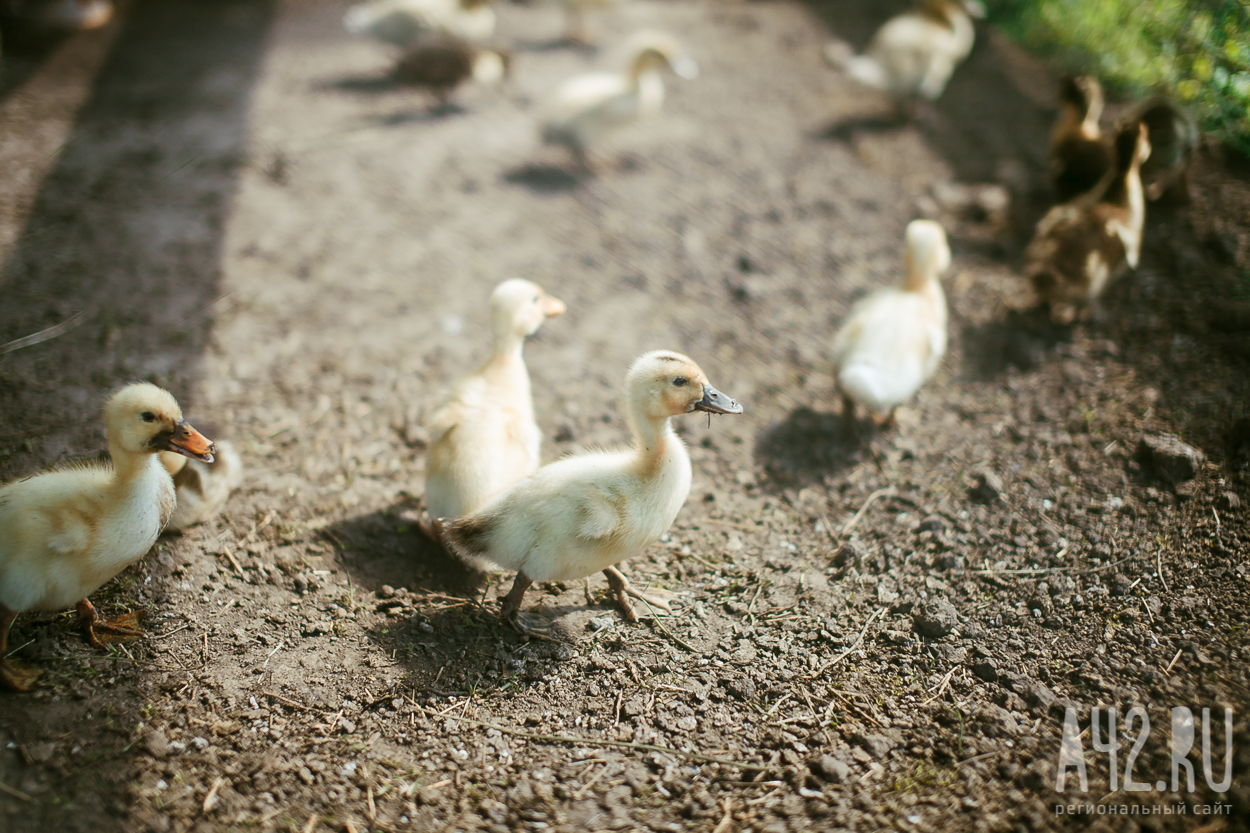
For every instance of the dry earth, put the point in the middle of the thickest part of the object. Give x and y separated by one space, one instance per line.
872 635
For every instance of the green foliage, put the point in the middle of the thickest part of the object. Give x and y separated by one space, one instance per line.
1198 51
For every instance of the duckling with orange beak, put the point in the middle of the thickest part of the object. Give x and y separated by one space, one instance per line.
66 532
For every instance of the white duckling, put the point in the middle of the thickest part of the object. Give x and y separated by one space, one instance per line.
64 533
202 488
484 437
1082 245
403 23
587 106
588 512
894 339
914 53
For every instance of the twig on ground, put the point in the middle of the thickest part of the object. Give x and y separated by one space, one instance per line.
1043 570
727 820
225 548
848 651
666 631
46 334
1168 670
620 744
586 787
888 490
942 687
5 788
285 701
1159 565
276 649
210 800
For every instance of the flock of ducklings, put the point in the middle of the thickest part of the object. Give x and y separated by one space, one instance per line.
66 532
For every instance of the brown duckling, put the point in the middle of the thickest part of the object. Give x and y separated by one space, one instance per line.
1173 140
1082 245
1079 154
440 63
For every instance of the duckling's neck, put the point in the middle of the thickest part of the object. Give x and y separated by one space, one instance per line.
654 440
1125 189
129 465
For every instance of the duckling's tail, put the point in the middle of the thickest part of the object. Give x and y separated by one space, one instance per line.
878 392
862 68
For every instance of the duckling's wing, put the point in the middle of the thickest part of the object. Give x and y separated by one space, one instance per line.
598 516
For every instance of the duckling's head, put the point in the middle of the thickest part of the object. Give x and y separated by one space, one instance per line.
1132 146
658 51
144 419
1083 94
928 254
662 384
518 308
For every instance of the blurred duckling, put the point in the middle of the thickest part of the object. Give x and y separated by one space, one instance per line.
1082 245
588 512
440 63
484 437
894 339
403 23
575 17
1173 140
914 53
1079 154
202 487
66 532
587 106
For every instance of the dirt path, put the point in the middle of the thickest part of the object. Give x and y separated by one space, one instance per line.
252 217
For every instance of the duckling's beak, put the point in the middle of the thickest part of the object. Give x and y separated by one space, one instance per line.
186 441
553 307
715 402
685 68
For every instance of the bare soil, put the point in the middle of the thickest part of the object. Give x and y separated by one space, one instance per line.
883 633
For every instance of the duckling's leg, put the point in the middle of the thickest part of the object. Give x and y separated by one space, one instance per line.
887 421
13 675
848 417
433 529
511 612
622 590
119 630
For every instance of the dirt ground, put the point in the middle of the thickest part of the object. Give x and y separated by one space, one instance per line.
874 634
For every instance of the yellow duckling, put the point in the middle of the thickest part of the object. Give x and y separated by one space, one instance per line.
403 23
1082 245
66 532
1079 155
484 437
202 487
894 339
587 106
914 53
440 63
588 512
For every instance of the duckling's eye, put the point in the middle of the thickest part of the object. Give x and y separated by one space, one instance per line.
148 416
680 381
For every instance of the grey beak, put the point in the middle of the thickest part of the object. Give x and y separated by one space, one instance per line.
715 402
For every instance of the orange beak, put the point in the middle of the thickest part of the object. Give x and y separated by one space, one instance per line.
553 307
188 442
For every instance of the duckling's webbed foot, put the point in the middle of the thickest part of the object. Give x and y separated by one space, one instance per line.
432 528
622 590
119 629
527 623
12 674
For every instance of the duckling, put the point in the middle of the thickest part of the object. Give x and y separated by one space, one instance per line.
66 532
575 17
59 15
894 339
1079 155
914 53
484 437
403 23
202 488
1173 140
587 106
440 63
588 512
1082 245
